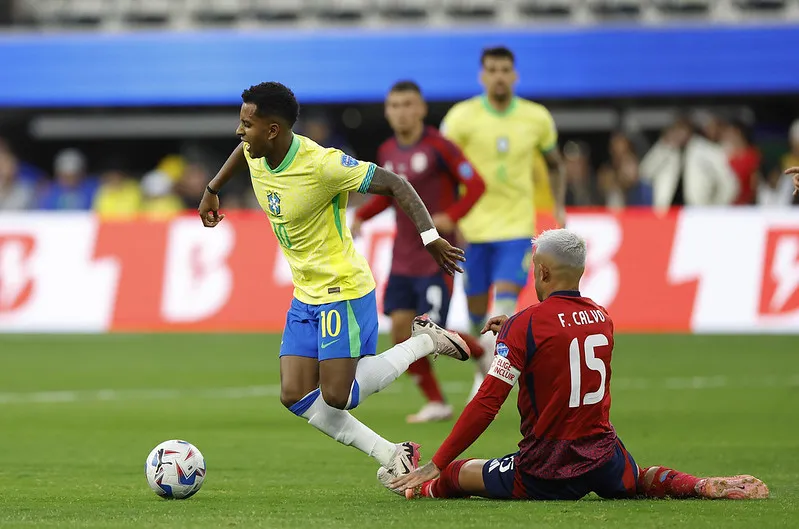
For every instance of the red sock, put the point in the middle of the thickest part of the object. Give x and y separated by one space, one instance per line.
474 345
657 482
422 373
447 485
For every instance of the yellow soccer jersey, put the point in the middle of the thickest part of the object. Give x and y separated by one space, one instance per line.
305 199
501 146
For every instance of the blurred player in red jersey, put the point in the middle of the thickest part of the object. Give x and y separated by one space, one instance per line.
559 352
436 168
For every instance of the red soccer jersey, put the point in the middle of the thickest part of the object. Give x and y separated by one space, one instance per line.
436 168
559 351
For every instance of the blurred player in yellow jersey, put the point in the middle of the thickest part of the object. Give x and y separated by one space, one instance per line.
500 134
327 353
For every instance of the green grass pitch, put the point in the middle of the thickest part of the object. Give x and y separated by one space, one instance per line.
79 414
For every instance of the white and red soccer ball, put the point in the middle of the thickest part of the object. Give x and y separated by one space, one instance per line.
175 469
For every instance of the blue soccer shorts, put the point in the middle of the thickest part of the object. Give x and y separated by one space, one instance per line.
489 262
343 329
429 295
616 479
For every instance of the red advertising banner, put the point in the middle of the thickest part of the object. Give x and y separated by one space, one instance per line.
722 270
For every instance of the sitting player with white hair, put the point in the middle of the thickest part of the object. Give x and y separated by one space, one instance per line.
559 352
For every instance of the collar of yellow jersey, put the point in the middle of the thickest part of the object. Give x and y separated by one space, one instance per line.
295 146
496 112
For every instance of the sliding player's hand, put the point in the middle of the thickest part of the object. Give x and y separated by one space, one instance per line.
416 478
795 172
446 255
209 210
494 324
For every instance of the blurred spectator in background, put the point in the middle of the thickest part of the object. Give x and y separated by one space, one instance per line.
158 200
777 188
791 158
619 179
686 169
580 182
316 124
118 197
710 125
191 186
15 193
72 188
26 172
744 159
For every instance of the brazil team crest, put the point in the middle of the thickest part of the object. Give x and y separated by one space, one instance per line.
503 144
273 203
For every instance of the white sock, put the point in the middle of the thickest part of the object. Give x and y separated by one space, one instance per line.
375 373
348 430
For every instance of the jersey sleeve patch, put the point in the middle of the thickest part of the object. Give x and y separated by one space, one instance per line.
502 369
502 350
348 161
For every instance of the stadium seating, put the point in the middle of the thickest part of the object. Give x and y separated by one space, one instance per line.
180 13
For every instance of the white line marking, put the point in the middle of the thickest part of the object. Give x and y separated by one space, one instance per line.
458 388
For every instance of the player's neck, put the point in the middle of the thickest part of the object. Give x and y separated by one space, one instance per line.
410 137
282 146
501 105
563 287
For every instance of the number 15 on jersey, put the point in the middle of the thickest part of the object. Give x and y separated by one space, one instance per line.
591 362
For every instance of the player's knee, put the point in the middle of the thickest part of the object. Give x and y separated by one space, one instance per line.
289 397
336 397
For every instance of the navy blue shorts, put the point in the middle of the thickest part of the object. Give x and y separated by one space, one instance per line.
489 262
616 479
424 295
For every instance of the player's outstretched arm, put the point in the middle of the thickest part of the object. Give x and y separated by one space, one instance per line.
387 183
795 172
209 204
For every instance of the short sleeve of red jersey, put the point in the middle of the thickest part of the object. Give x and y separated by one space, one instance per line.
510 354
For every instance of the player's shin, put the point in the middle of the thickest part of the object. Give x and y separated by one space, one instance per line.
447 485
659 482
425 379
476 323
375 373
504 303
343 427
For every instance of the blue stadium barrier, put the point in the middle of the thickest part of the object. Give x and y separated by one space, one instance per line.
212 67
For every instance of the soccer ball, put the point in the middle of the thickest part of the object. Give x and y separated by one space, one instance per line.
175 469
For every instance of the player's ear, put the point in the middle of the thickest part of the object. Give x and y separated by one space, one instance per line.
274 129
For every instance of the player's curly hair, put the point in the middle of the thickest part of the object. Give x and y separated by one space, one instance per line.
273 99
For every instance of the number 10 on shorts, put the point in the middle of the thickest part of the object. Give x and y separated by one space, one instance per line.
330 323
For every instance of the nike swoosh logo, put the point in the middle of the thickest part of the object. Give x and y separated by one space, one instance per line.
463 355
325 345
407 470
